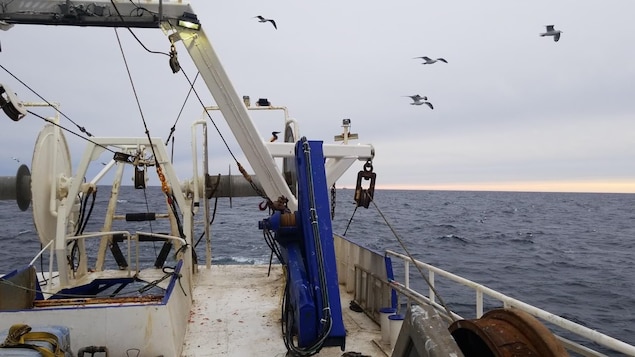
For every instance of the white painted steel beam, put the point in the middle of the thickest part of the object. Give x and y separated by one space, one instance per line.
360 151
236 115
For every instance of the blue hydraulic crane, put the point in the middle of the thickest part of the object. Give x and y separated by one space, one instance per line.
312 313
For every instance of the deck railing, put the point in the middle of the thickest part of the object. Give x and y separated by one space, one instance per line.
481 291
127 236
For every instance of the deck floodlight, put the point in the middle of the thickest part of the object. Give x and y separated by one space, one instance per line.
263 102
189 21
10 104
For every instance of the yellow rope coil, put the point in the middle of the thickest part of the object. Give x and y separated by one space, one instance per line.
20 334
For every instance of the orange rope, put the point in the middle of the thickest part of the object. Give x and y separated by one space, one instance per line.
164 185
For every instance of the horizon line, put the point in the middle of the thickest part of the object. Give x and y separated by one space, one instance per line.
538 186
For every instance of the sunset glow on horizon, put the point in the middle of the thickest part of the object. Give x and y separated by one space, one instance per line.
543 186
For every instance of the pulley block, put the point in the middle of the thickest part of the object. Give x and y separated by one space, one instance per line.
363 196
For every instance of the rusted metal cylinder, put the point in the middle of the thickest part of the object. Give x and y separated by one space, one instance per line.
506 333
17 187
231 186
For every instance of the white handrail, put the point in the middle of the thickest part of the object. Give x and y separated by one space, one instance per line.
482 290
37 256
166 236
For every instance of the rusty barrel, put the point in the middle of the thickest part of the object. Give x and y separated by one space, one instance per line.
506 333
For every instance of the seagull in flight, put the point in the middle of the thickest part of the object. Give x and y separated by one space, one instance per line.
429 60
274 136
552 32
262 19
15 158
419 100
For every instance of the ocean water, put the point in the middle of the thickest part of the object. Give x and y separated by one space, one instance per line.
567 253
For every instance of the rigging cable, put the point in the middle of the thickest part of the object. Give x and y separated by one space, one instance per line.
403 246
178 117
164 185
69 131
81 128
192 89
350 220
240 167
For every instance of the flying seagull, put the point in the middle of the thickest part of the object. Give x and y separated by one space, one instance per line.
274 136
429 60
262 19
15 158
419 100
552 32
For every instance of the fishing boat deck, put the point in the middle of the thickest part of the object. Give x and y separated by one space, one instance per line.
237 312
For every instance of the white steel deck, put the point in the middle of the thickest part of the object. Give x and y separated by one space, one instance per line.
237 310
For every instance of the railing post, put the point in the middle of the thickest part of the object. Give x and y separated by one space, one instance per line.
479 303
508 302
406 271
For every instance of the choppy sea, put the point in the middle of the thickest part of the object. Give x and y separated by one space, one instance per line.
571 254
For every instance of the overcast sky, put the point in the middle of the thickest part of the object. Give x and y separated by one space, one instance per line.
512 110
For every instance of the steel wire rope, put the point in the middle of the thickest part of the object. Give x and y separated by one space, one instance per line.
350 220
70 131
158 53
240 166
166 190
81 128
178 117
403 246
164 187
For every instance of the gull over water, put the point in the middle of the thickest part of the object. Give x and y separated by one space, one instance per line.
429 60
419 100
552 32
262 19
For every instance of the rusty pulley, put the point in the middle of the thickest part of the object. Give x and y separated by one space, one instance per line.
363 196
506 333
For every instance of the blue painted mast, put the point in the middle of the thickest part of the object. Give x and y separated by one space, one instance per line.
312 311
